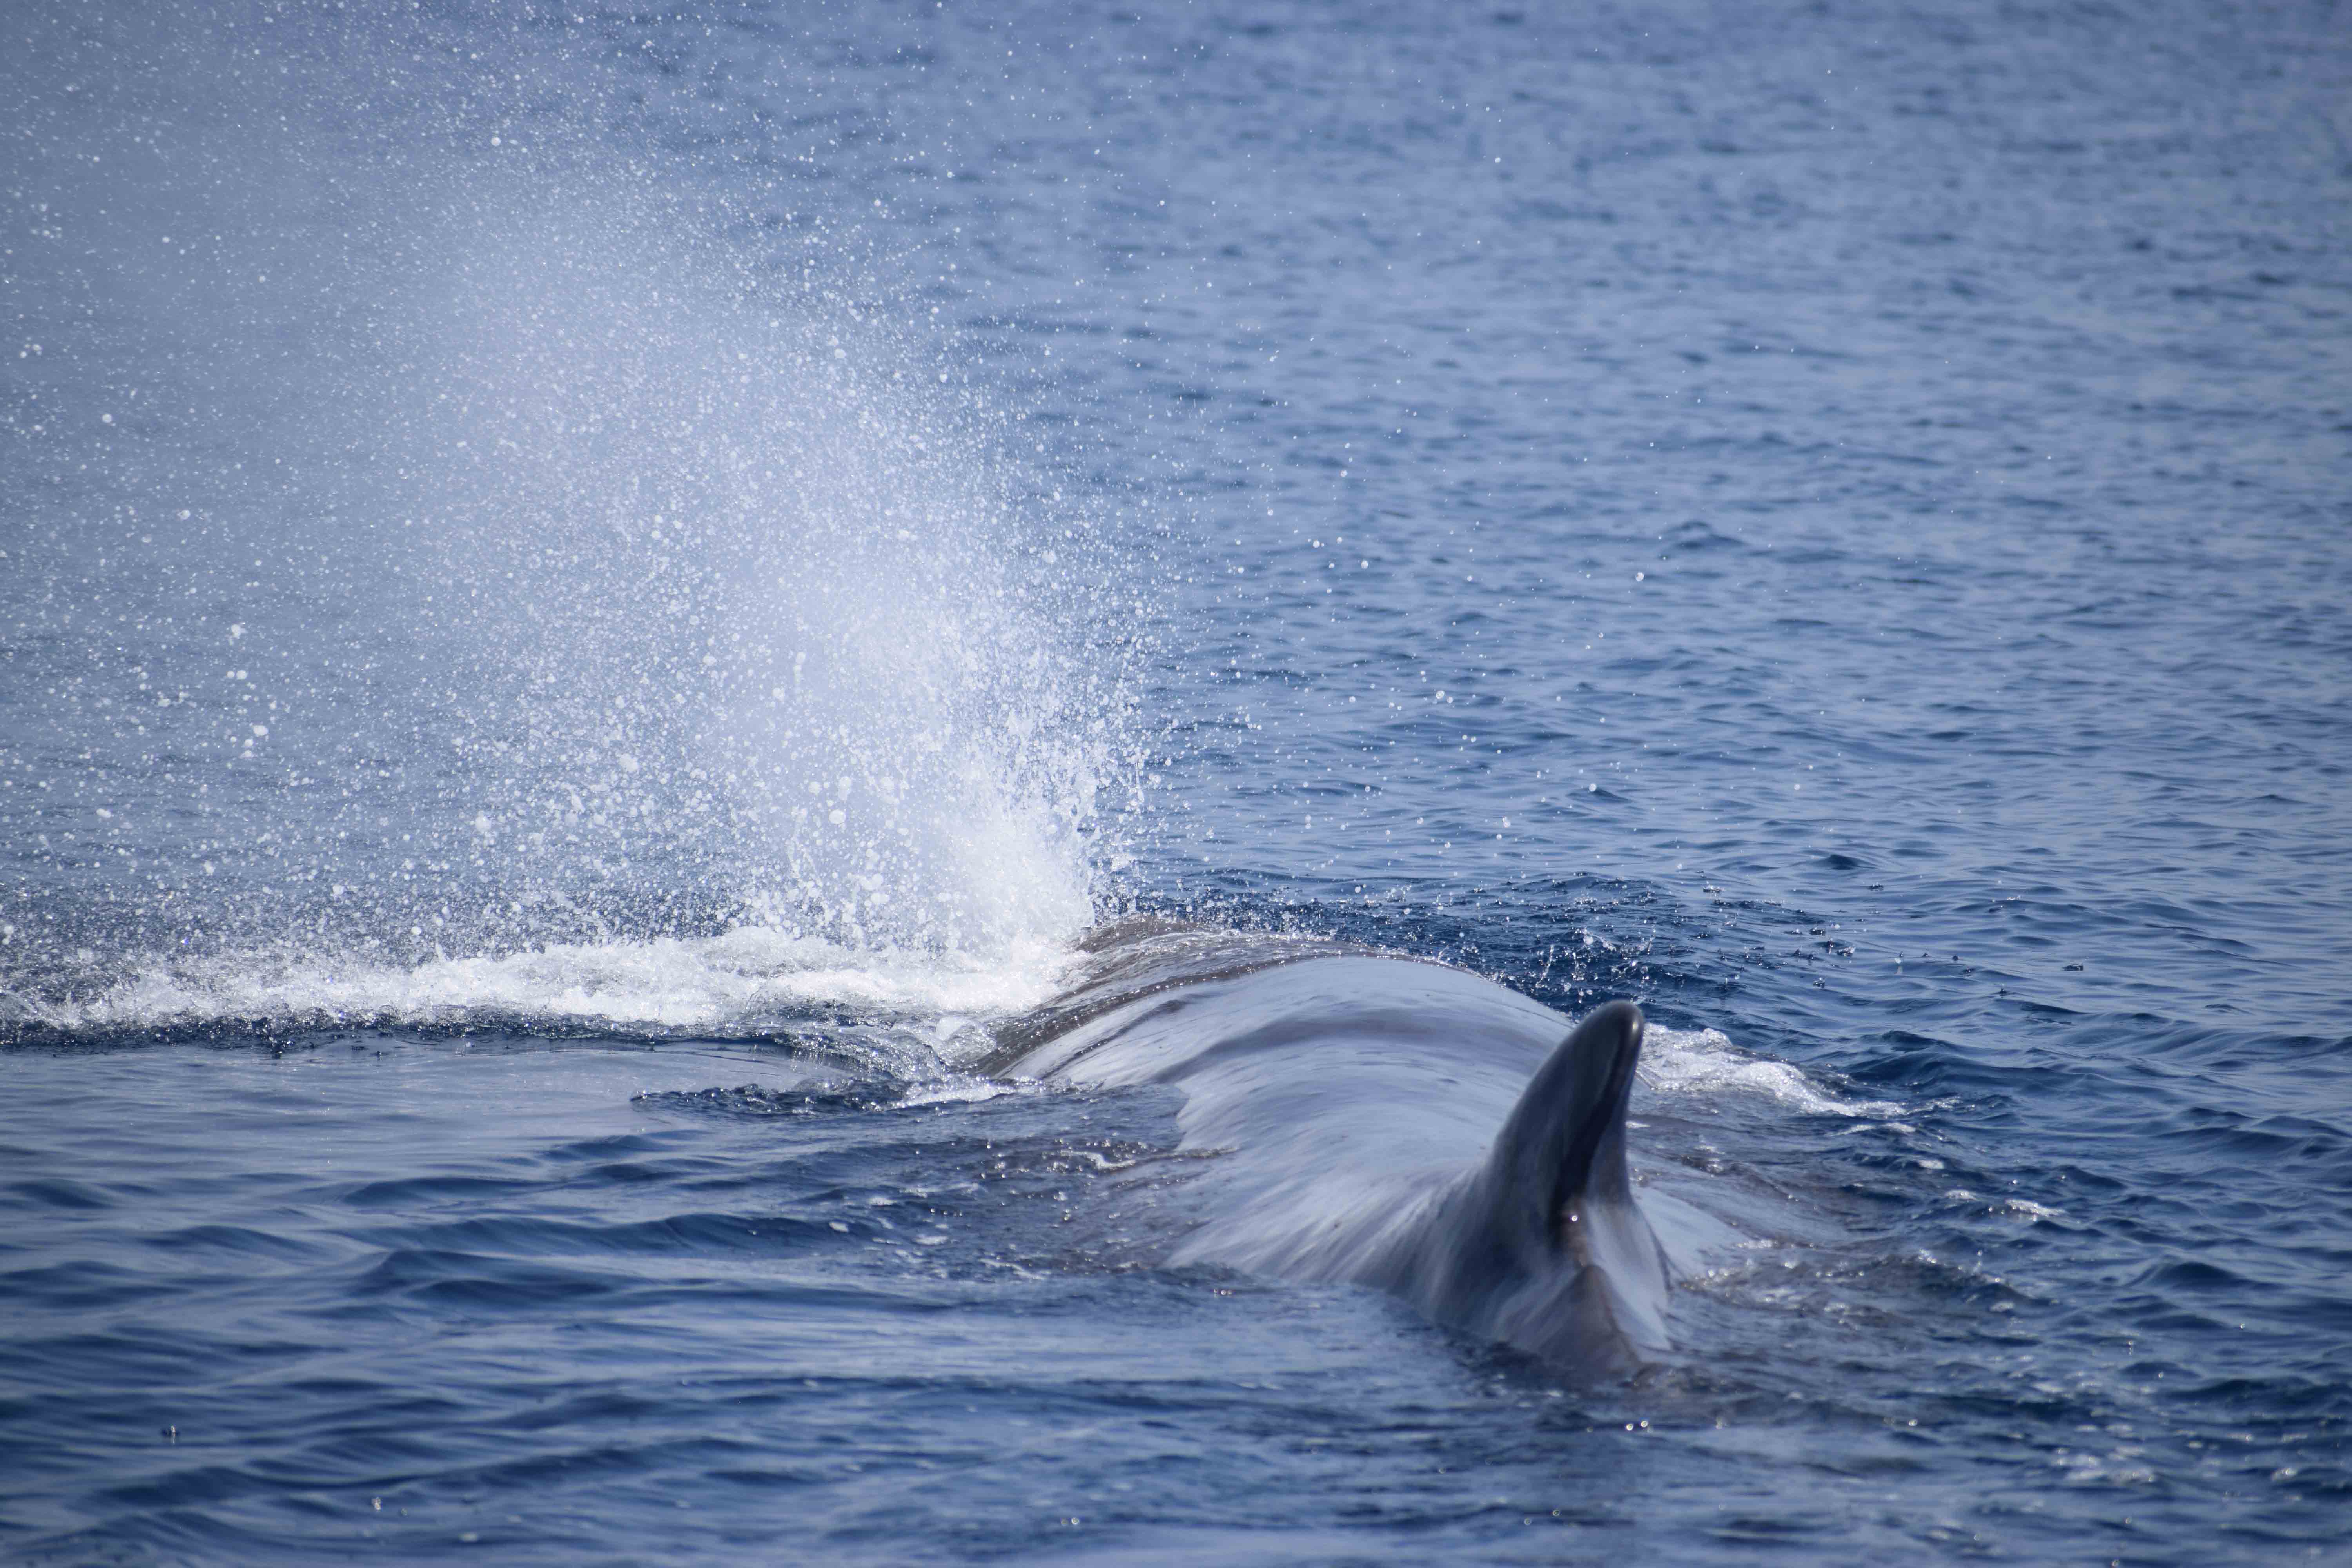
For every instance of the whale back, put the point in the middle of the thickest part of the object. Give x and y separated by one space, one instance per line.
1385 1120
1128 959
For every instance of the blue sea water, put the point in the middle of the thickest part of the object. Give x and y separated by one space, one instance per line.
589 596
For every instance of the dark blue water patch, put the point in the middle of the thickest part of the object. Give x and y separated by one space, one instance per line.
435 1191
144 1353
456 1283
55 1195
232 1242
687 1235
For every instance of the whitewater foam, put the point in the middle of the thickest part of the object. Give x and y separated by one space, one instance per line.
1705 1061
747 981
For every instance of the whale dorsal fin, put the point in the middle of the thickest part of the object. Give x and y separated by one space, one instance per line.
1551 1251
1562 1148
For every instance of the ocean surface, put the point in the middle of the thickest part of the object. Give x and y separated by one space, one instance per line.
589 597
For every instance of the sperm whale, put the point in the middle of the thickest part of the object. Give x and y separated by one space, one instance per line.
1382 1119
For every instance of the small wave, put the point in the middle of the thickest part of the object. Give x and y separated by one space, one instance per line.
1702 1061
823 1095
744 982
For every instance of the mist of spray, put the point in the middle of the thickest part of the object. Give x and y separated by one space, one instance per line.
744 595
497 555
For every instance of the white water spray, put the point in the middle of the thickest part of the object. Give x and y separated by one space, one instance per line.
756 595
516 563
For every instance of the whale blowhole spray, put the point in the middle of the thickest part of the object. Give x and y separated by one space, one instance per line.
530 558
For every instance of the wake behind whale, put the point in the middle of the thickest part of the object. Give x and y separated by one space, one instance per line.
1384 1121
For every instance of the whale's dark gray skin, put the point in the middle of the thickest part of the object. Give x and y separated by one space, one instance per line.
1382 1120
